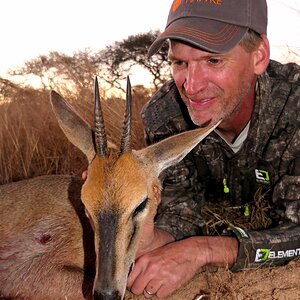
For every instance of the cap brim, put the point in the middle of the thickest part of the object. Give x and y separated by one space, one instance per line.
210 35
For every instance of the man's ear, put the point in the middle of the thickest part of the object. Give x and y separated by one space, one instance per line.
262 56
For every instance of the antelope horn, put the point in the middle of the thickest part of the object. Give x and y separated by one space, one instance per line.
126 137
100 135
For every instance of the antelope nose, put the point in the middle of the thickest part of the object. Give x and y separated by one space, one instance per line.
107 295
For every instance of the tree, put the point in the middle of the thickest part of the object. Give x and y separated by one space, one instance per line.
61 71
120 57
74 74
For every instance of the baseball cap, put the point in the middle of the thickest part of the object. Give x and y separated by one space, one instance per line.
213 25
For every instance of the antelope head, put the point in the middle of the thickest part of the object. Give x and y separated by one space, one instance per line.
121 189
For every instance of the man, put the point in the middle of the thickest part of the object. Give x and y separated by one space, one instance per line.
219 55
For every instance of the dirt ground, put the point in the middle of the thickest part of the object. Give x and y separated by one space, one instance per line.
278 283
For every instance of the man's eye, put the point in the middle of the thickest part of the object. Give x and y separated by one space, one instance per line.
177 63
214 61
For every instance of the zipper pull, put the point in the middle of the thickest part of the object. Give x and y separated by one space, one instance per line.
247 211
226 188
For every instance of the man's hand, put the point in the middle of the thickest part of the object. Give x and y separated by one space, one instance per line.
169 267
165 269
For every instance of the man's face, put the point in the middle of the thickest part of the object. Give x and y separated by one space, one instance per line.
213 86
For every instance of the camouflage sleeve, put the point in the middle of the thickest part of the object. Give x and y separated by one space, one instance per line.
282 243
179 212
268 247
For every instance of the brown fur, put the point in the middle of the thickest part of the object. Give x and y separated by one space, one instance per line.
44 236
48 247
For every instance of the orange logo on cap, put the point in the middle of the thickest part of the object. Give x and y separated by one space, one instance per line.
176 4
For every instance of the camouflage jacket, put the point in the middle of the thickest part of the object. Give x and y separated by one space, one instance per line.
253 194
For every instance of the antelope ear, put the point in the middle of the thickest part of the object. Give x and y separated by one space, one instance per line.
76 130
173 149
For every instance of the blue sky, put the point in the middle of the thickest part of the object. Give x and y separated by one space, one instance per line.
34 27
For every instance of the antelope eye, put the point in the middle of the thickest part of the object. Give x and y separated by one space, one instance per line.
141 207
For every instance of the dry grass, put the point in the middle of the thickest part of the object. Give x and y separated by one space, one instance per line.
32 144
222 215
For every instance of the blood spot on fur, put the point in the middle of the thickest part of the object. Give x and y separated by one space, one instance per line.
45 238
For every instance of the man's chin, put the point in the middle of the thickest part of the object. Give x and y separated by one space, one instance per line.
201 121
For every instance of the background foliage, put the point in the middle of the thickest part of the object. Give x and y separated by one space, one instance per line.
32 144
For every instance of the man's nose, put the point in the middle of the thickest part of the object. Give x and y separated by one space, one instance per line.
195 80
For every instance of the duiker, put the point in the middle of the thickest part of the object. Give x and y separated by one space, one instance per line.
61 238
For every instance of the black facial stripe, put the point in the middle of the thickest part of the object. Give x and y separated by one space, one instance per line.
108 224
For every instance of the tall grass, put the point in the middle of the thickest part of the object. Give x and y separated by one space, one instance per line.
32 143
